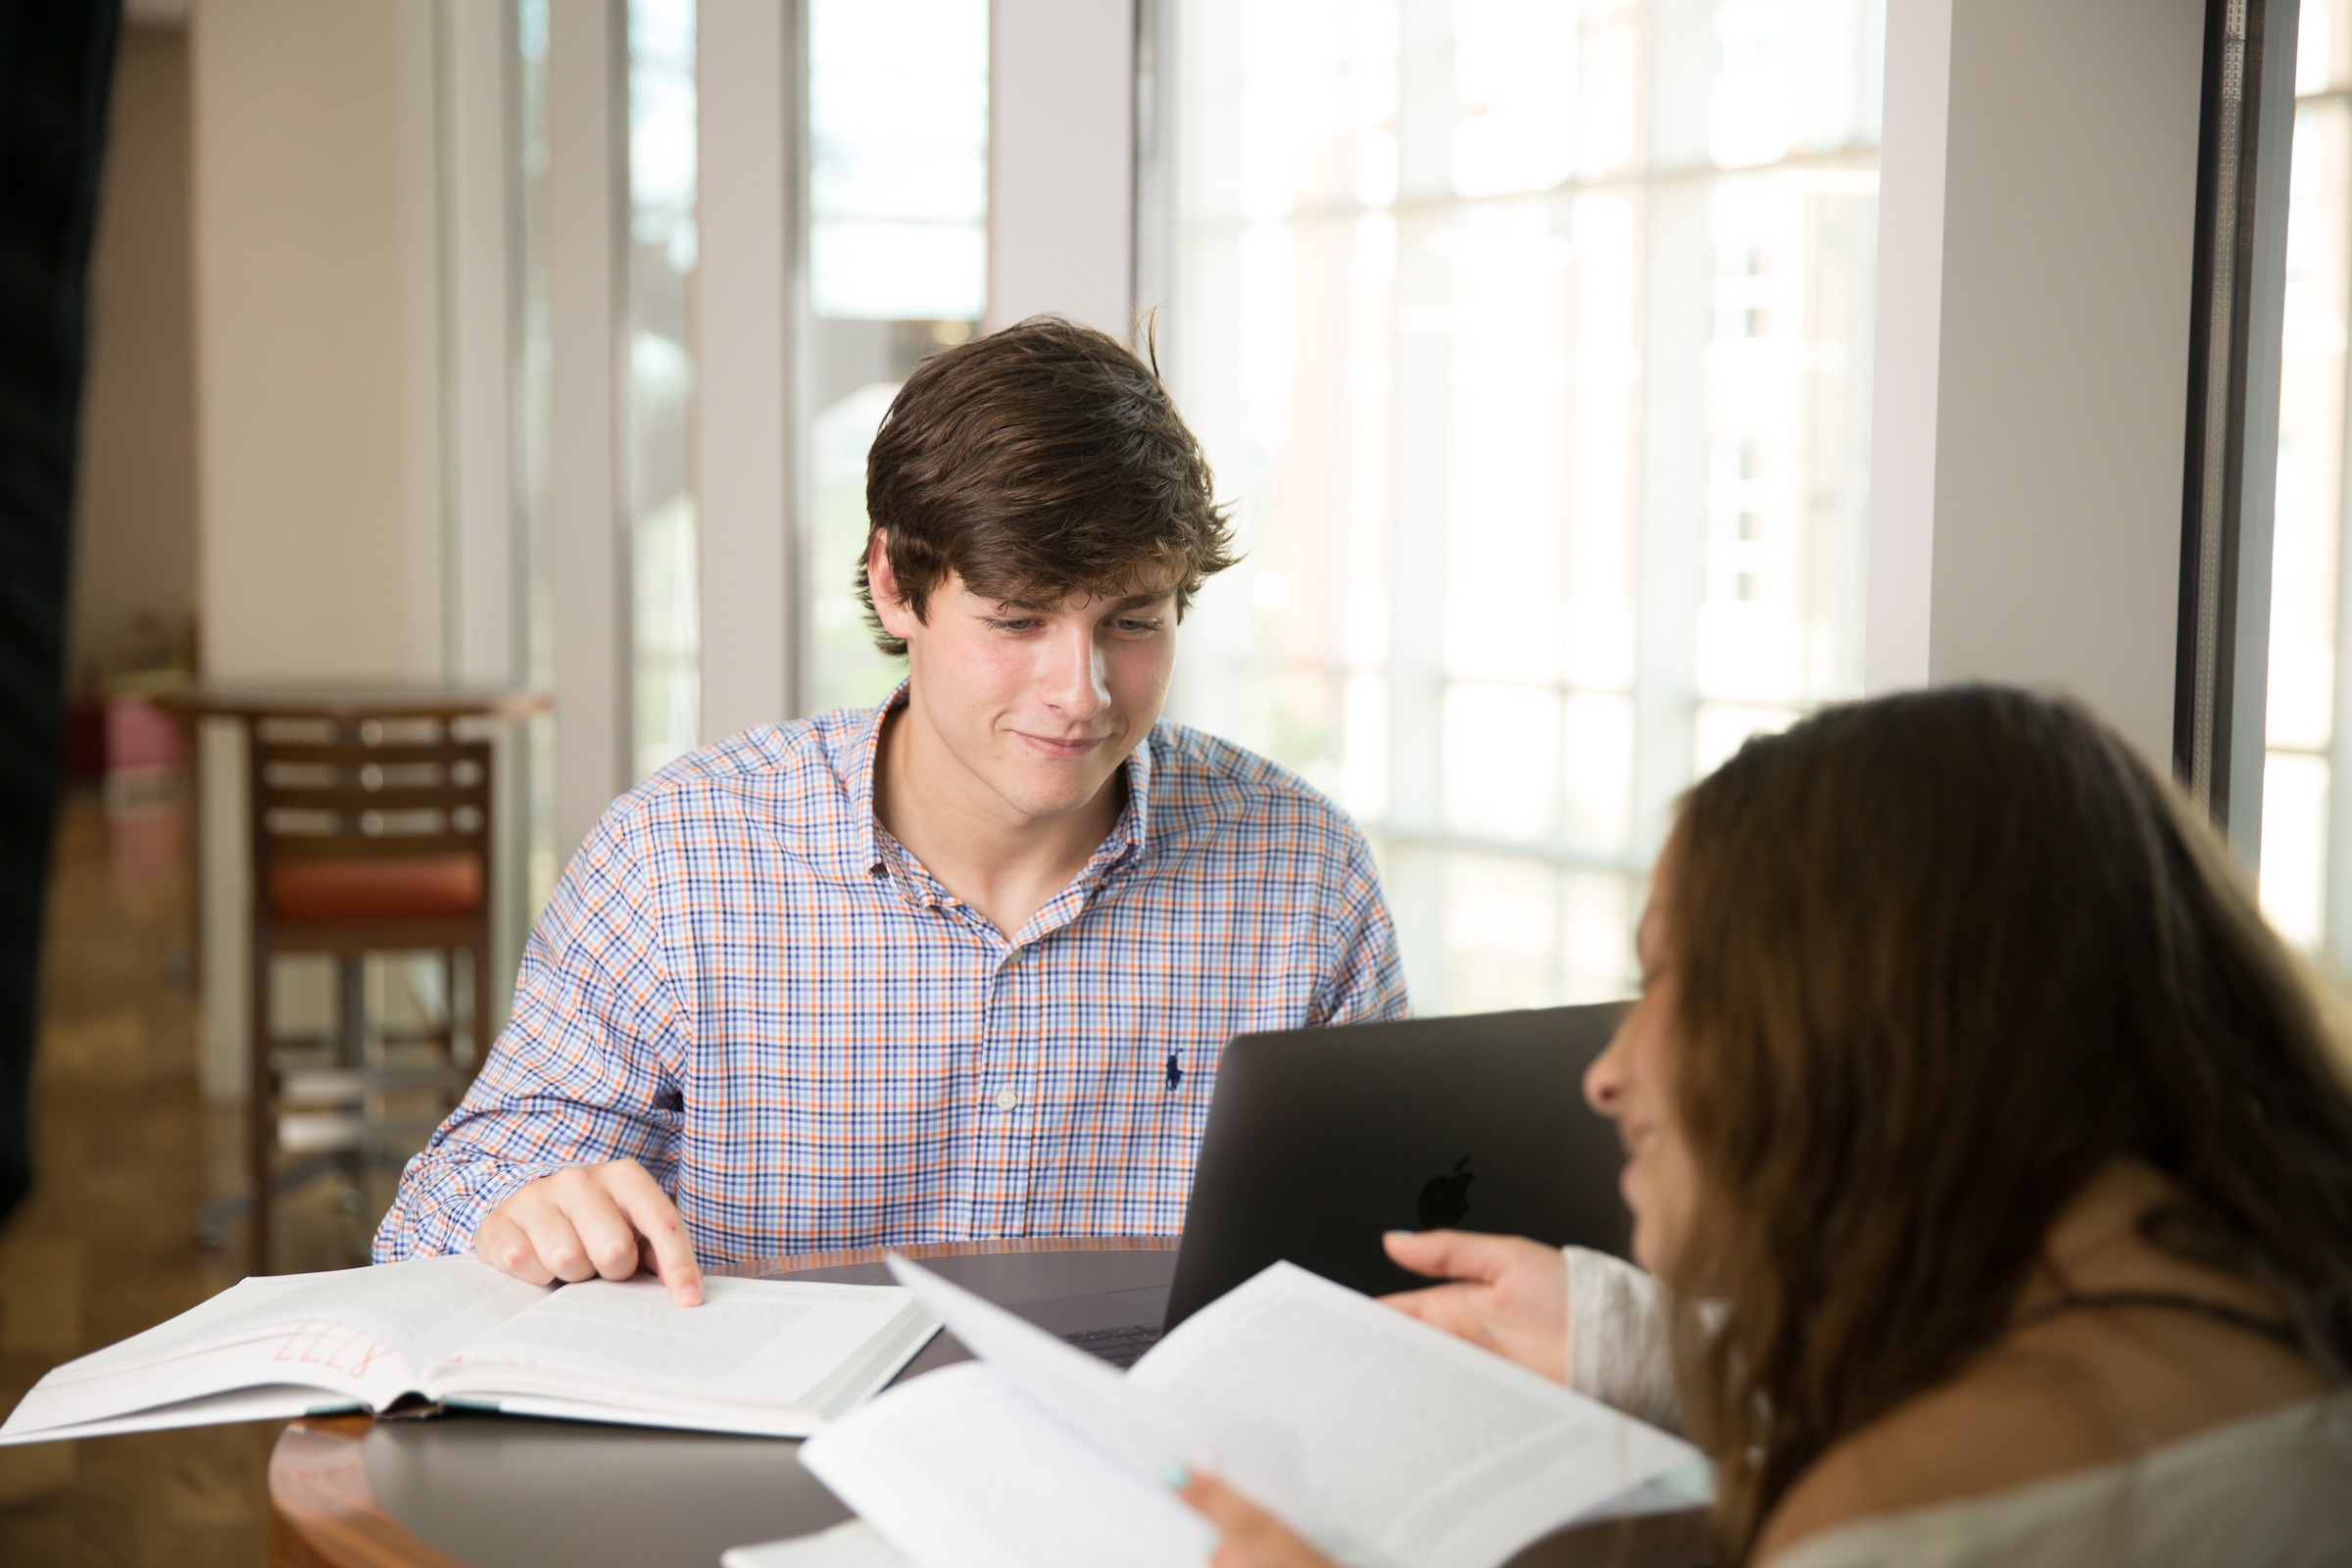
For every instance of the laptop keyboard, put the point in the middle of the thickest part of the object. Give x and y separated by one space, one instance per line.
1121 1347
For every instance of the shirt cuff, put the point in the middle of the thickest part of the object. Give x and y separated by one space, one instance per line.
1618 1350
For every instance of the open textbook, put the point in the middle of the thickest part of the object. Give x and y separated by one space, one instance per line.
771 1357
1383 1441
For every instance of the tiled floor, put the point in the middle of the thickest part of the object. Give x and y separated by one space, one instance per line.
107 1242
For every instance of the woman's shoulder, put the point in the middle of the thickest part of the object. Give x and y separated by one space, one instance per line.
2272 1488
2063 1398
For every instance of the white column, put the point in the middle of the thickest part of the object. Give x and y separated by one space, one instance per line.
1061 162
478 165
587 544
479 193
2037 214
746 271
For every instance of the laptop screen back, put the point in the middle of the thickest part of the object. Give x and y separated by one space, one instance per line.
1320 1140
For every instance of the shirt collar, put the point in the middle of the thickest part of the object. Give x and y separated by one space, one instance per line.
1129 835
868 840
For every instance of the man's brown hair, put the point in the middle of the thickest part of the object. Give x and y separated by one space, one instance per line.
1039 461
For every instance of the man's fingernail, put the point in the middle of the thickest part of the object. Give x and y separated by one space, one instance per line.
1401 1233
1176 1476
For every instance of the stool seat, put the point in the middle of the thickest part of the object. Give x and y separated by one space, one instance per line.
425 887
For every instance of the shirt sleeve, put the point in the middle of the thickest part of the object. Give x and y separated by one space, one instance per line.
587 1069
1365 981
1617 1347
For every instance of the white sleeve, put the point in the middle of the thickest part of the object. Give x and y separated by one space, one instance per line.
1617 1347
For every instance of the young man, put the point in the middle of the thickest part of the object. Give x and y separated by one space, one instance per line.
956 966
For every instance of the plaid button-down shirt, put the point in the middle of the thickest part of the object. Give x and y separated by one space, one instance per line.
745 983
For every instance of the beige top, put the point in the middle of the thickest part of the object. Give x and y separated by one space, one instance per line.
2273 1491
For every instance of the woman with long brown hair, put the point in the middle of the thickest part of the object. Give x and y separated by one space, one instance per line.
1990 1162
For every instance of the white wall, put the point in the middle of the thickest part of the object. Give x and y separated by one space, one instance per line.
1061 162
316 318
2037 214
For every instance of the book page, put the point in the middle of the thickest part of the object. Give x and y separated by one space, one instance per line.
1416 1446
767 1344
1143 1430
957 1470
267 1402
356 1335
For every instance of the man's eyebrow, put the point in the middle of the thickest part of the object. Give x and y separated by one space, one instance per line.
1046 606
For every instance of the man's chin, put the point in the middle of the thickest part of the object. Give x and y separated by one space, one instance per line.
1048 797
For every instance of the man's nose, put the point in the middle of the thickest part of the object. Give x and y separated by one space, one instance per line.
1074 678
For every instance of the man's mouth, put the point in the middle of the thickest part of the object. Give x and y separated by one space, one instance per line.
1063 746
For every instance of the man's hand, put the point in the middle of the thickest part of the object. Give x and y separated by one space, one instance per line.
1509 1295
1249 1537
610 1219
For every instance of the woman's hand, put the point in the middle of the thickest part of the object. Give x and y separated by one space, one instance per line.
1509 1295
1249 1537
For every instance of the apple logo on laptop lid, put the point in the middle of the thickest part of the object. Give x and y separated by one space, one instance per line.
1447 1198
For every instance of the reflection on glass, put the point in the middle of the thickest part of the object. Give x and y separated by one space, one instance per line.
898 193
1530 340
657 442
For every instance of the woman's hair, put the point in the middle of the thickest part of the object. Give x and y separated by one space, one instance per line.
1938 958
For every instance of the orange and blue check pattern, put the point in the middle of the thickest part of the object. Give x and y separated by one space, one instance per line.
745 983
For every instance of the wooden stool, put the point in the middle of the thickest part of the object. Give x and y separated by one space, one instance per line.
367 836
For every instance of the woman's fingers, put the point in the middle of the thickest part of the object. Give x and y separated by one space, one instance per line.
1249 1537
1450 1254
1452 1307
1507 1294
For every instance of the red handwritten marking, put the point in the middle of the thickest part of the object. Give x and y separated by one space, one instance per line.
335 1346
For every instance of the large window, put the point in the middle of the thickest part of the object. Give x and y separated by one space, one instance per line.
898 267
2307 790
1532 343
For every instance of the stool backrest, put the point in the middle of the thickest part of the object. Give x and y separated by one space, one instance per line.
383 789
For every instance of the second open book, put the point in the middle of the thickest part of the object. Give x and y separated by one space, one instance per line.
1380 1439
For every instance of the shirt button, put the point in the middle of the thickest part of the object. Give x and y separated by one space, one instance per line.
1007 1100
1012 956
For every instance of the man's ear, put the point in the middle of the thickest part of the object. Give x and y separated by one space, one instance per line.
883 583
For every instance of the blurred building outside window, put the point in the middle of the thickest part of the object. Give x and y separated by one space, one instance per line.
898 269
657 425
1532 339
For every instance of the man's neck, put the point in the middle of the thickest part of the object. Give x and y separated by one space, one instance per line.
1001 861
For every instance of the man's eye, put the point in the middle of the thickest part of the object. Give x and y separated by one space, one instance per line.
1012 625
1138 626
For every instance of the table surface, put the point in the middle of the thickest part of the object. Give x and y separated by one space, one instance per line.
490 1490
